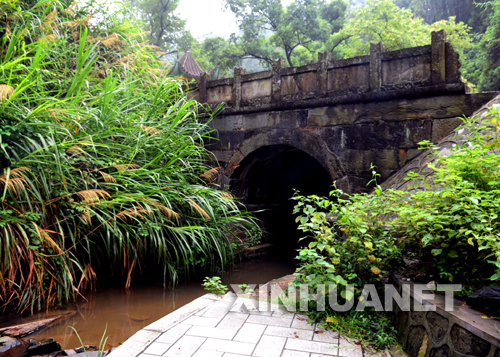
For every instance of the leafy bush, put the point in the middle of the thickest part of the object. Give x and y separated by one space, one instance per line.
452 225
448 221
350 245
102 160
214 285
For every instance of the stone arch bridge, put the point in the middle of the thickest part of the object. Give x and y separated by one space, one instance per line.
305 127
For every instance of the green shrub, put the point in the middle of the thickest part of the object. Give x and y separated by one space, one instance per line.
448 221
214 285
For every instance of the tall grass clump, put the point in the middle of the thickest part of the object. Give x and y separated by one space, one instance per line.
101 159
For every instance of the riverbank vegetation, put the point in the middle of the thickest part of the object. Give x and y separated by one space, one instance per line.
447 223
103 169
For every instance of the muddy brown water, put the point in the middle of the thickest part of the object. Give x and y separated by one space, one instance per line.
121 312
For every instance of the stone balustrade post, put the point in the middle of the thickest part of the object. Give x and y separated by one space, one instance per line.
376 50
238 72
276 79
202 88
324 59
438 56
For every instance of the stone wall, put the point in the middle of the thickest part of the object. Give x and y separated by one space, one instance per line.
346 138
441 333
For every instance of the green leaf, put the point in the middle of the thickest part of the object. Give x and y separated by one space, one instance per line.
474 200
436 252
453 254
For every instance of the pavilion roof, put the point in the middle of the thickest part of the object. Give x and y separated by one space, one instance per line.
187 67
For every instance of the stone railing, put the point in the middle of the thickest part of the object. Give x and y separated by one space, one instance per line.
417 71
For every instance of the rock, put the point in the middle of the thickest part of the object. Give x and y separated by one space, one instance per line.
46 346
487 300
86 348
257 251
137 318
6 343
31 327
33 343
88 354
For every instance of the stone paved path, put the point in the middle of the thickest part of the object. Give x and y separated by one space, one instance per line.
206 328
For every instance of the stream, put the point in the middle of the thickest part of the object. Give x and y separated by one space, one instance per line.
119 313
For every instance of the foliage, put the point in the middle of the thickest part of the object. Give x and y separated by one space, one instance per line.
165 27
215 51
271 30
431 10
383 21
490 51
448 222
101 161
246 289
351 244
374 330
102 342
454 223
214 285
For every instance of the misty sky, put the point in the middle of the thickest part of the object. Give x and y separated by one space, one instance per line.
207 16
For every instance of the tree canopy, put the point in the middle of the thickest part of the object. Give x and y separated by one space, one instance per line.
271 30
165 26
383 21
297 32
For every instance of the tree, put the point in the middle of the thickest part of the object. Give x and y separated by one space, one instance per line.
383 21
465 11
165 26
490 51
271 30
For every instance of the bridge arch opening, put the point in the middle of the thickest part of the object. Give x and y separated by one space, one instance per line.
265 180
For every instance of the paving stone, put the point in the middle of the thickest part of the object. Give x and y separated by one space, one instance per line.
207 353
290 353
202 311
218 310
269 346
262 309
178 315
281 311
269 320
129 348
232 355
228 346
186 346
203 331
321 355
312 346
171 336
157 348
322 335
202 321
300 321
261 312
250 333
246 305
145 336
289 332
347 348
233 320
